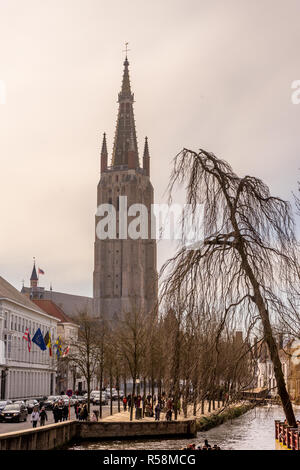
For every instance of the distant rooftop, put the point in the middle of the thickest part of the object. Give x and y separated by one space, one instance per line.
52 309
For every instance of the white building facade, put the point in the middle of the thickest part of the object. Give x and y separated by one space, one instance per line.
266 375
24 374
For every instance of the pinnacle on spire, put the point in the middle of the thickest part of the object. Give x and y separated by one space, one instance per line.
104 154
34 276
125 89
125 136
104 146
146 149
146 158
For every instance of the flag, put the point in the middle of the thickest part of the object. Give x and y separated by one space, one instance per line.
47 339
39 340
58 347
41 271
66 351
27 338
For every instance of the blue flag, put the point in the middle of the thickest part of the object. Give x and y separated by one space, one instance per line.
39 340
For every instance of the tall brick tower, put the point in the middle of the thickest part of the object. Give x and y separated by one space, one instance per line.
125 272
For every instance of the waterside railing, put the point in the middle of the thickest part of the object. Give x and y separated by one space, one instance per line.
287 435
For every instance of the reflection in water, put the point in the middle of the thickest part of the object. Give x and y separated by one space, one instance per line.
254 430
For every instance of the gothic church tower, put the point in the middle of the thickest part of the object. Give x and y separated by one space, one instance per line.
125 272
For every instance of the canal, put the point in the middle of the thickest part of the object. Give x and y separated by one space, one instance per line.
252 431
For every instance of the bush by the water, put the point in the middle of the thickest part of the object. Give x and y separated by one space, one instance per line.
207 422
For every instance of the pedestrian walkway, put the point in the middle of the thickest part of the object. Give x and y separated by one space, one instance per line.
125 415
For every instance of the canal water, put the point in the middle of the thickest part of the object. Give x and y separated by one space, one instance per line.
255 430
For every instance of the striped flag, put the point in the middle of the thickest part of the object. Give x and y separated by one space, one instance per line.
66 351
27 338
47 339
41 271
58 347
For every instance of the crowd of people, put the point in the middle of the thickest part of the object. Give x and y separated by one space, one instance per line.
60 411
153 407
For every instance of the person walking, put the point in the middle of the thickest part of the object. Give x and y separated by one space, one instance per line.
60 411
76 409
65 412
79 408
129 402
125 403
43 416
157 412
34 417
83 413
55 412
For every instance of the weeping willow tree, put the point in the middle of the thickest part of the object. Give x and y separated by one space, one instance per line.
245 266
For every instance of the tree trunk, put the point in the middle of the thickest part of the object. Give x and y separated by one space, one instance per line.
132 399
100 387
110 387
268 336
125 386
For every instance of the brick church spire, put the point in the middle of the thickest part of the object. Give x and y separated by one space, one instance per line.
34 277
146 158
104 154
125 137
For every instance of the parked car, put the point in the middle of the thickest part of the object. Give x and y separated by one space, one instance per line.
65 399
30 404
114 395
4 403
78 398
104 399
19 402
14 412
93 394
113 392
48 404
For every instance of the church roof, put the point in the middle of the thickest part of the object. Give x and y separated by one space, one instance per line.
52 309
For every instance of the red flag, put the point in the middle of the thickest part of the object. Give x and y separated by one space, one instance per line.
41 271
27 338
66 351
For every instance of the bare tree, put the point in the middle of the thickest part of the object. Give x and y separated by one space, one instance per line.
85 351
129 334
246 264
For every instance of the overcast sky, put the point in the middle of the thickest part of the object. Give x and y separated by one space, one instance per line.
210 74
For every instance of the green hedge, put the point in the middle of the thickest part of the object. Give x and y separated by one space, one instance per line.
208 422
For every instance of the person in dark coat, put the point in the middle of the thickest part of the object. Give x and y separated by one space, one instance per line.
55 412
84 413
65 413
43 416
157 412
129 402
60 412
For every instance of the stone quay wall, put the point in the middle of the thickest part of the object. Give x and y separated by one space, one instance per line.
47 437
55 436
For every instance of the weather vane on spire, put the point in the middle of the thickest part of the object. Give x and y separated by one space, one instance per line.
126 48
